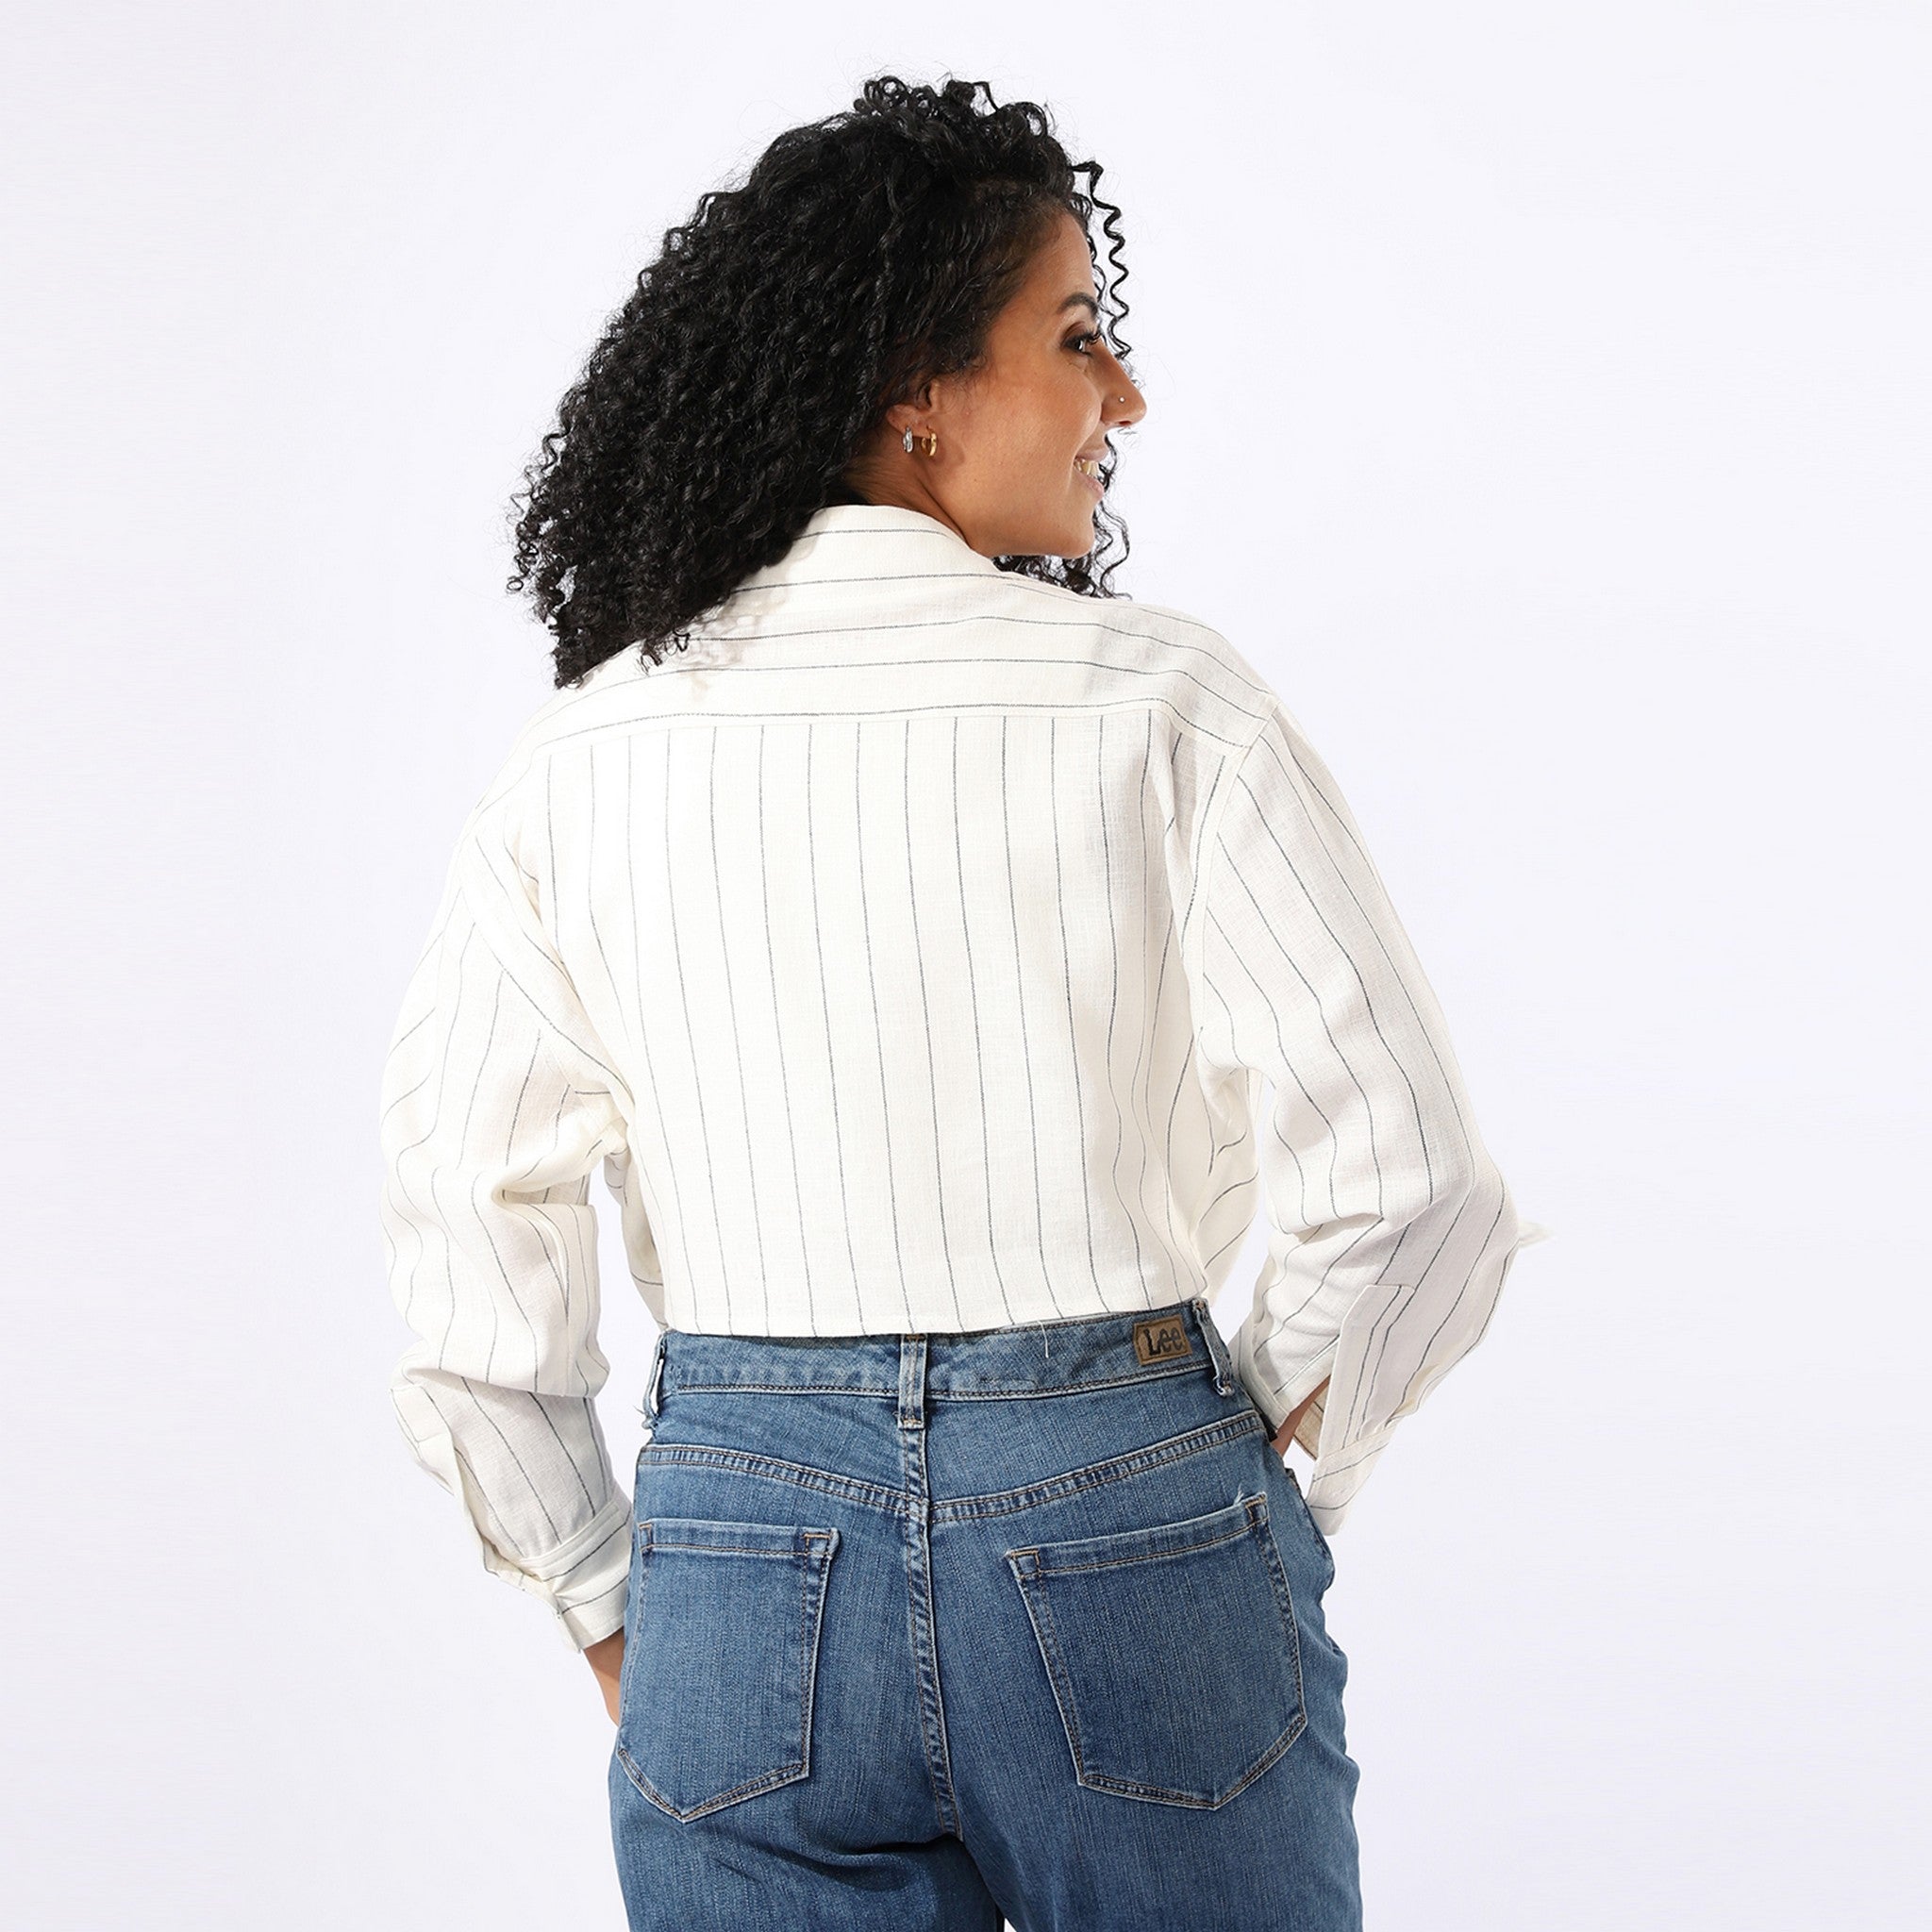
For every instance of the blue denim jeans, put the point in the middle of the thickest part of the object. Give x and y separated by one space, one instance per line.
929 1630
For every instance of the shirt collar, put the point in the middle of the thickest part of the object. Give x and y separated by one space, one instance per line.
851 542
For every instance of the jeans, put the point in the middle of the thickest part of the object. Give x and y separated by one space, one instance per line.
926 1631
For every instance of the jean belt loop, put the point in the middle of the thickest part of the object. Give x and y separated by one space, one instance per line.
652 1380
1217 1348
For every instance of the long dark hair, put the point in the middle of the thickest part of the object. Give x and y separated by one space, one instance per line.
864 255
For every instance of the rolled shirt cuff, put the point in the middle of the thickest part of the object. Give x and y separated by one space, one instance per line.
586 1581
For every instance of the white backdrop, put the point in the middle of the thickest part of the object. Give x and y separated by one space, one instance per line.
1558 353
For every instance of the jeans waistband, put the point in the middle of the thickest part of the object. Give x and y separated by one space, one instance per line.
1030 1359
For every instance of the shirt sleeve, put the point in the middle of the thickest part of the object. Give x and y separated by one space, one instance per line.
1390 1229
496 1107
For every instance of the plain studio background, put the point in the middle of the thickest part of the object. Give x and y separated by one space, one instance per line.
1534 395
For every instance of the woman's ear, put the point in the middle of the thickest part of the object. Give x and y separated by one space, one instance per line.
912 413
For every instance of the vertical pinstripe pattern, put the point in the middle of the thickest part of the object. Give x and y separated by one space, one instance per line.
1391 1228
911 951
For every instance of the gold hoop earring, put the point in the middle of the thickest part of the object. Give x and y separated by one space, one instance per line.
931 440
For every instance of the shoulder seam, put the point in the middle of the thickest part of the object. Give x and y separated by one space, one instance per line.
1233 764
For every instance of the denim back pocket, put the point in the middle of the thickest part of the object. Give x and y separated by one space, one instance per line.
720 1659
1173 1652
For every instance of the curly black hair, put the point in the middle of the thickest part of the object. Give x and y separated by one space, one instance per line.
864 255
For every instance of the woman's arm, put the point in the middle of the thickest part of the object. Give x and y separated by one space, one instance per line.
606 1662
1390 1229
1285 1434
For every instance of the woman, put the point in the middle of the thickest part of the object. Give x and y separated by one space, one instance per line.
907 924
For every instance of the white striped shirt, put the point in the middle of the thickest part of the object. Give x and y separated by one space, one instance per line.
913 951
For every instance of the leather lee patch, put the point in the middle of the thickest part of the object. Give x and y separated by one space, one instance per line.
1162 1339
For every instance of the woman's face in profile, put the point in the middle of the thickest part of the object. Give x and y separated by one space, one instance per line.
1013 434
